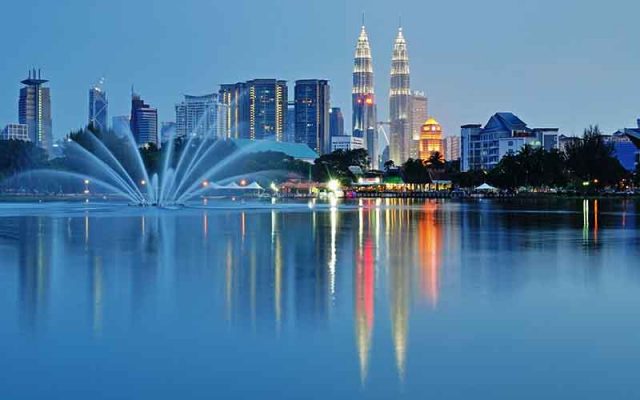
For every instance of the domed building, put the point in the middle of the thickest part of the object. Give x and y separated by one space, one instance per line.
430 139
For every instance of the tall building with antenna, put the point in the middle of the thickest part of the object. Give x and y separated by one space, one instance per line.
363 99
400 102
98 107
34 110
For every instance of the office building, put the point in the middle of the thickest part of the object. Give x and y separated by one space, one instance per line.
312 104
363 98
418 113
400 134
121 125
451 148
200 116
430 139
34 109
346 143
98 108
15 132
290 124
255 109
336 122
483 147
144 122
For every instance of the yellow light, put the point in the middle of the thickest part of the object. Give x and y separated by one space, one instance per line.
333 185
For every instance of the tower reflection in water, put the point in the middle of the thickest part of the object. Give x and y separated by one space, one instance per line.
268 272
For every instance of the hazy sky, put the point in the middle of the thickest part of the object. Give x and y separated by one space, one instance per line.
562 63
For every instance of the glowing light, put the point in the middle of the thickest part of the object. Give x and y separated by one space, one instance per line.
86 182
143 182
205 183
243 182
333 185
369 101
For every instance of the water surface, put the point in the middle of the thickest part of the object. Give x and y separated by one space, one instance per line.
376 299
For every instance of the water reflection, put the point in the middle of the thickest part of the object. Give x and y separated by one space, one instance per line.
272 272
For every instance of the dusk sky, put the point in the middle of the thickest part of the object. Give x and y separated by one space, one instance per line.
563 64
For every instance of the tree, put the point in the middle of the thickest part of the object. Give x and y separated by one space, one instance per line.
415 171
591 160
336 165
435 160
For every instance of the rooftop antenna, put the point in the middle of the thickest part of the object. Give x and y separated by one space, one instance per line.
363 18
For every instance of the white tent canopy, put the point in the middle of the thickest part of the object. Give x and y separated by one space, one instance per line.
486 187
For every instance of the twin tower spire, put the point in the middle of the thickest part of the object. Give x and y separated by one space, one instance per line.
364 104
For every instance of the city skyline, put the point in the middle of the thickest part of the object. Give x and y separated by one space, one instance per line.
457 70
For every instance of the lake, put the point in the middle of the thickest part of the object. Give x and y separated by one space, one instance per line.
368 299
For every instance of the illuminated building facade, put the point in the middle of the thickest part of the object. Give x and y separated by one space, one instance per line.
255 109
451 148
98 108
15 132
363 99
312 104
144 122
34 110
400 102
418 114
201 116
430 139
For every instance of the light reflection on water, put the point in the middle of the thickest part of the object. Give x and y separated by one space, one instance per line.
379 297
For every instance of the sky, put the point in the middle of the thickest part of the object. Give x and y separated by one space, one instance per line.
555 63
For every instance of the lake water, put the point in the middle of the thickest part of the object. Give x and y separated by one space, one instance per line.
378 299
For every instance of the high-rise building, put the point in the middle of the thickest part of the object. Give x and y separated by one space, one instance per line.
418 114
200 116
430 139
144 122
312 103
400 102
15 132
34 109
363 98
290 124
98 108
257 109
336 122
452 148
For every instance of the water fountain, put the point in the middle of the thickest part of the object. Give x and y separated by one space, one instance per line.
188 168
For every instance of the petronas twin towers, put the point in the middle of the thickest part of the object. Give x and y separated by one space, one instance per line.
364 104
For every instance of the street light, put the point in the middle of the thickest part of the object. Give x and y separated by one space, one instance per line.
333 185
143 182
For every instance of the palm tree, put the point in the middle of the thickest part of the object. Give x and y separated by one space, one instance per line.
435 160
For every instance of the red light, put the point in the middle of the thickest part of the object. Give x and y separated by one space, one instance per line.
369 100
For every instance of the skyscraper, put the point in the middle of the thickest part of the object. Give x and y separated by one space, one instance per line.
144 121
418 114
312 103
400 102
336 122
363 100
34 109
98 107
200 116
256 109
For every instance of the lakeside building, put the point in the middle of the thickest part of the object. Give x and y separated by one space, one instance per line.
312 104
34 110
418 113
400 133
299 151
364 119
144 122
430 139
336 122
255 109
505 133
451 148
98 108
200 116
15 132
346 142
290 123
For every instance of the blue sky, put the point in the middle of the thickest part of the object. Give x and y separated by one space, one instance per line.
566 63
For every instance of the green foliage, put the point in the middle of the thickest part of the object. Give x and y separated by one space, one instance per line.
416 171
18 156
530 167
591 159
336 165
